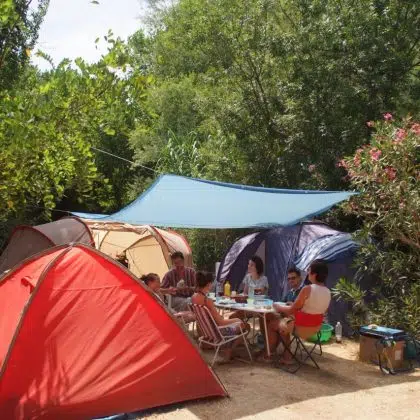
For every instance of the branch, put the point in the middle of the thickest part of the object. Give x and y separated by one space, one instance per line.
408 241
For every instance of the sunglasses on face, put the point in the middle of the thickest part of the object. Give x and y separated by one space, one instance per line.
292 278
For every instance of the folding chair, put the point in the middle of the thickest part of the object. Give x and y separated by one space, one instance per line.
301 353
180 317
212 335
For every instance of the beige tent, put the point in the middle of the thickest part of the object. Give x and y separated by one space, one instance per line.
148 249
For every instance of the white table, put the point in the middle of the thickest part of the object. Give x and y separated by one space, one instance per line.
253 309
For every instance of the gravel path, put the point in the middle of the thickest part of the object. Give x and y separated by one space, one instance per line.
344 388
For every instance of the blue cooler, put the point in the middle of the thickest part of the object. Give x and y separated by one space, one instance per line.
382 332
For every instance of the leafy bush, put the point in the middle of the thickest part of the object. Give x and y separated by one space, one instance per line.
386 172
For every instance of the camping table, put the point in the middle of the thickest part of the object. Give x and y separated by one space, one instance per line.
253 309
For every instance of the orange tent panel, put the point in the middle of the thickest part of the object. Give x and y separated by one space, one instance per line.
92 341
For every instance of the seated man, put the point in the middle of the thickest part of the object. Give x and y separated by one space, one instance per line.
304 317
295 283
180 281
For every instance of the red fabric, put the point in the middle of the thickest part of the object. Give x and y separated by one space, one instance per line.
93 343
302 319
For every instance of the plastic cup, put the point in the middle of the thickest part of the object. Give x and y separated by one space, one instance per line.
250 301
212 295
233 293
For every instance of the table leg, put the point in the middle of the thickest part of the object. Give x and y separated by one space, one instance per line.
266 335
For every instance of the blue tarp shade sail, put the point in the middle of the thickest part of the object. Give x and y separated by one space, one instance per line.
178 201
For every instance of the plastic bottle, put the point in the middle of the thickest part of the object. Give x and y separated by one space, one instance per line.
227 288
338 332
251 292
218 289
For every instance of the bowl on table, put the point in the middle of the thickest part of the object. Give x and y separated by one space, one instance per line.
240 298
264 303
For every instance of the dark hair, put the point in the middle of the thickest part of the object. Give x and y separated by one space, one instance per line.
177 254
319 268
293 270
122 259
259 265
203 278
148 278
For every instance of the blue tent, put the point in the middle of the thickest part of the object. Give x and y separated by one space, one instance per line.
290 246
178 201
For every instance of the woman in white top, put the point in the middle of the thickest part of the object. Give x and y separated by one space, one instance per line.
306 314
255 277
255 280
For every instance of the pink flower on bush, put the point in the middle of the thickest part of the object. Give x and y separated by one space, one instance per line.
387 116
391 172
311 168
415 128
356 160
375 153
370 124
400 135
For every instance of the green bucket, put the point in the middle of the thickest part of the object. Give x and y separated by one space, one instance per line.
326 332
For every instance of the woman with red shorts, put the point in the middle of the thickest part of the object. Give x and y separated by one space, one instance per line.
304 317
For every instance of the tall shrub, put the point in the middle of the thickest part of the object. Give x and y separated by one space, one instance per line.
386 172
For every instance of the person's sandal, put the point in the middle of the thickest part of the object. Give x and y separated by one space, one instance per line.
264 358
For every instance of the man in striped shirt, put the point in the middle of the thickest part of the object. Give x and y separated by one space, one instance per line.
180 281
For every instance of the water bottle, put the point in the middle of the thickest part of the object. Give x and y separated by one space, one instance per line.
338 332
251 292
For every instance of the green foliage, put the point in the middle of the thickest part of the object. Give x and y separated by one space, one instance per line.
387 174
270 92
210 245
19 25
275 92
48 125
350 292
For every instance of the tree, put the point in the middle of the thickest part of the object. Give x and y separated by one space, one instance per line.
386 172
19 25
282 86
52 125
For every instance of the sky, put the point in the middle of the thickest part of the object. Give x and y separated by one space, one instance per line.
70 27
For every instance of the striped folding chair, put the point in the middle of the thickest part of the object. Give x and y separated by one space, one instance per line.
186 318
212 335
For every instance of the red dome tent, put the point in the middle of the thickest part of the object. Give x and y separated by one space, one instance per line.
83 339
29 240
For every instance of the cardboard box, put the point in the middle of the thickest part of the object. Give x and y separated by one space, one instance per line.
369 352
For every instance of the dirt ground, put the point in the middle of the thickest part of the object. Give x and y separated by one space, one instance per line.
344 388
